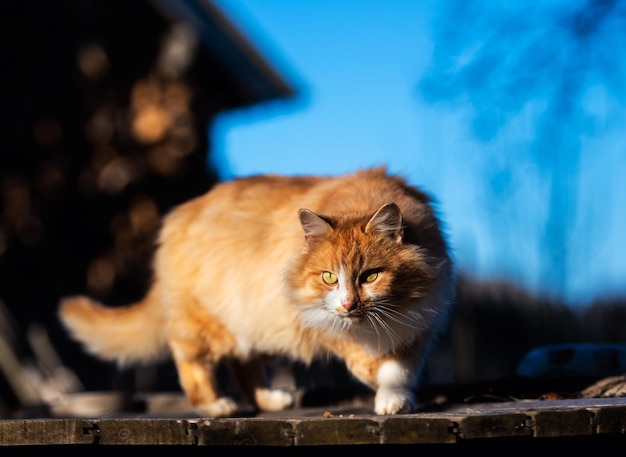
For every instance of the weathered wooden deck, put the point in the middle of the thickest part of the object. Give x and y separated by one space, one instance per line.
578 423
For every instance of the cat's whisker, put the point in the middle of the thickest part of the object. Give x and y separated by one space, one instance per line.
382 325
312 317
415 320
380 318
383 317
394 314
340 325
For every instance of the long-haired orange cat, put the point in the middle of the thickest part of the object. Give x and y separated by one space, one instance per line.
354 266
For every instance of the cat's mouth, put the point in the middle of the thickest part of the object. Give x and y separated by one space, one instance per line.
353 317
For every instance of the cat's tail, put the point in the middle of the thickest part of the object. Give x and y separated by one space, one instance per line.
126 335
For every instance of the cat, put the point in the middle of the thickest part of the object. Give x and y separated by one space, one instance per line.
354 266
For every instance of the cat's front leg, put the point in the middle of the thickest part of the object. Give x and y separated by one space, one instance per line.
392 376
394 393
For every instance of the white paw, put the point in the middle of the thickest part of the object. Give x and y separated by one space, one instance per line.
390 401
272 399
222 407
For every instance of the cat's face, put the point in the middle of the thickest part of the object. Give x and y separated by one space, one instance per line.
361 274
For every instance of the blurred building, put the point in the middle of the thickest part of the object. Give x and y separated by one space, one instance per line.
104 121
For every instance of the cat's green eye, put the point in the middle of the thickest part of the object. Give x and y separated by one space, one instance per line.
371 277
329 277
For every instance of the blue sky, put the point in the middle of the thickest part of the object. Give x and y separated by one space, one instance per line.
526 175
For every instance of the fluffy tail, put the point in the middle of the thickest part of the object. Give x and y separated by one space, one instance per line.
127 335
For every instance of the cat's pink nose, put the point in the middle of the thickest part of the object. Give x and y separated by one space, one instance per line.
347 304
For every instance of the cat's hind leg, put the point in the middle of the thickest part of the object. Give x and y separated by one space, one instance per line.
199 342
196 376
252 381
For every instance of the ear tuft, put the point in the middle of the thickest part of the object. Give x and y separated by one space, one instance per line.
313 225
388 219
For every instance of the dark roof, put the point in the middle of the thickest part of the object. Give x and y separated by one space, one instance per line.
254 76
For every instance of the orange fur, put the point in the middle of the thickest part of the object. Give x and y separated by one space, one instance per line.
238 274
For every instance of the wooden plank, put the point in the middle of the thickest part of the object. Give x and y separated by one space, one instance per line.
562 423
461 424
410 430
337 431
28 432
243 432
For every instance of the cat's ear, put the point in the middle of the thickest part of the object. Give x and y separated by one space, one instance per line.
313 225
387 219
